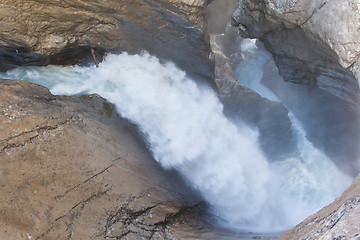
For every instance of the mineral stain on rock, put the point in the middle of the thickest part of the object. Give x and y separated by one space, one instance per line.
108 109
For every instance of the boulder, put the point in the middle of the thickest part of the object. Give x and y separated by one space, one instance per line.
71 168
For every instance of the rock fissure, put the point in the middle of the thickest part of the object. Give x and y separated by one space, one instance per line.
128 218
313 13
27 136
341 211
84 182
72 212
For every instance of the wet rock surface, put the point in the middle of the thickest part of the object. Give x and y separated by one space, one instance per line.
330 123
69 171
62 32
312 42
242 104
270 118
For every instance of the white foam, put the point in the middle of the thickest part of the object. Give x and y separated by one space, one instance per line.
250 70
187 131
306 182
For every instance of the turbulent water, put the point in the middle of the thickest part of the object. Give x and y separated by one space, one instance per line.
250 72
186 130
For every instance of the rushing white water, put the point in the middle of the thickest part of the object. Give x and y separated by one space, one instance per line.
307 182
250 70
186 130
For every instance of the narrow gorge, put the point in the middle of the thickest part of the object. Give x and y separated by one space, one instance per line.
179 119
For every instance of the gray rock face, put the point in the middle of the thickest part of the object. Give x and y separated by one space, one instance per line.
270 118
274 14
340 30
312 42
218 15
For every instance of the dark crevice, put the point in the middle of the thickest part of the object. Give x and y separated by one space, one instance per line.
133 219
315 11
18 56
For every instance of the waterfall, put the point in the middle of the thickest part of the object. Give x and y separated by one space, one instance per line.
185 129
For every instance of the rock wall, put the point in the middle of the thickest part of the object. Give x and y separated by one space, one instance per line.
196 10
61 32
312 42
241 104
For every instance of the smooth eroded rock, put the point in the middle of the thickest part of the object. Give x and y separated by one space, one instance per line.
62 32
72 168
242 104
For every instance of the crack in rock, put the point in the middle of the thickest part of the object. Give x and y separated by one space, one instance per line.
85 181
73 214
26 137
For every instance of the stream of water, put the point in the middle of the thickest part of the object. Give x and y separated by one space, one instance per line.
185 128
